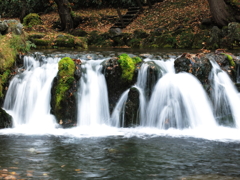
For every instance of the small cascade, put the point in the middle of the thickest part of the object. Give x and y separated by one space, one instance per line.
28 96
177 101
141 86
225 97
117 117
93 108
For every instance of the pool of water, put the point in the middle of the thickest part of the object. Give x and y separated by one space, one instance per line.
117 157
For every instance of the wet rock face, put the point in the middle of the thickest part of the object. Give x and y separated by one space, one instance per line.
199 65
5 119
132 108
115 84
153 75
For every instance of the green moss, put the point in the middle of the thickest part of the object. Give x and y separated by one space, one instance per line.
65 41
66 68
32 19
41 42
128 66
230 59
3 79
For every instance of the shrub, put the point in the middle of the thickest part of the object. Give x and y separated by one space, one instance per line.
32 19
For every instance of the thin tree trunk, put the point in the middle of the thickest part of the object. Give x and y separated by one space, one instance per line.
220 12
65 14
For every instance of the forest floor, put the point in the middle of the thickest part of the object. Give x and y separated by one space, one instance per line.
168 15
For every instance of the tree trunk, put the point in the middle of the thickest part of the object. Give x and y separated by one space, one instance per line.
23 10
221 12
64 11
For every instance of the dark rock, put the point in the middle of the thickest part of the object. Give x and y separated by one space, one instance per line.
3 27
132 108
153 75
5 119
115 32
115 84
199 65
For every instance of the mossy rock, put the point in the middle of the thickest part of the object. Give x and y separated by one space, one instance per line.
32 19
65 41
64 89
42 42
128 66
35 36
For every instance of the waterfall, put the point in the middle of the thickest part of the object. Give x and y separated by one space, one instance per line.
93 108
178 101
117 117
225 97
28 95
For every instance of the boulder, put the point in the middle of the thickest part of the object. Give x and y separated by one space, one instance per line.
14 26
115 32
3 27
64 92
234 31
115 83
197 64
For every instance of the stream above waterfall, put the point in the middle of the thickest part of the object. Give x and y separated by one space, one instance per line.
178 136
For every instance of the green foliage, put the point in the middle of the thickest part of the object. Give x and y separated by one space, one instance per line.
3 79
19 44
128 66
66 69
32 19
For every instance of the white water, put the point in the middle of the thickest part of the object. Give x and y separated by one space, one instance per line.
181 90
117 117
28 97
179 101
225 95
93 107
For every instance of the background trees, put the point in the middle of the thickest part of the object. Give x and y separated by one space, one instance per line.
224 11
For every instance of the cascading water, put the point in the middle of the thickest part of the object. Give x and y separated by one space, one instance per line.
93 106
178 104
177 101
117 117
225 97
28 96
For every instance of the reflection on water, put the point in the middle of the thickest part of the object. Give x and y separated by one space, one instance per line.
53 157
